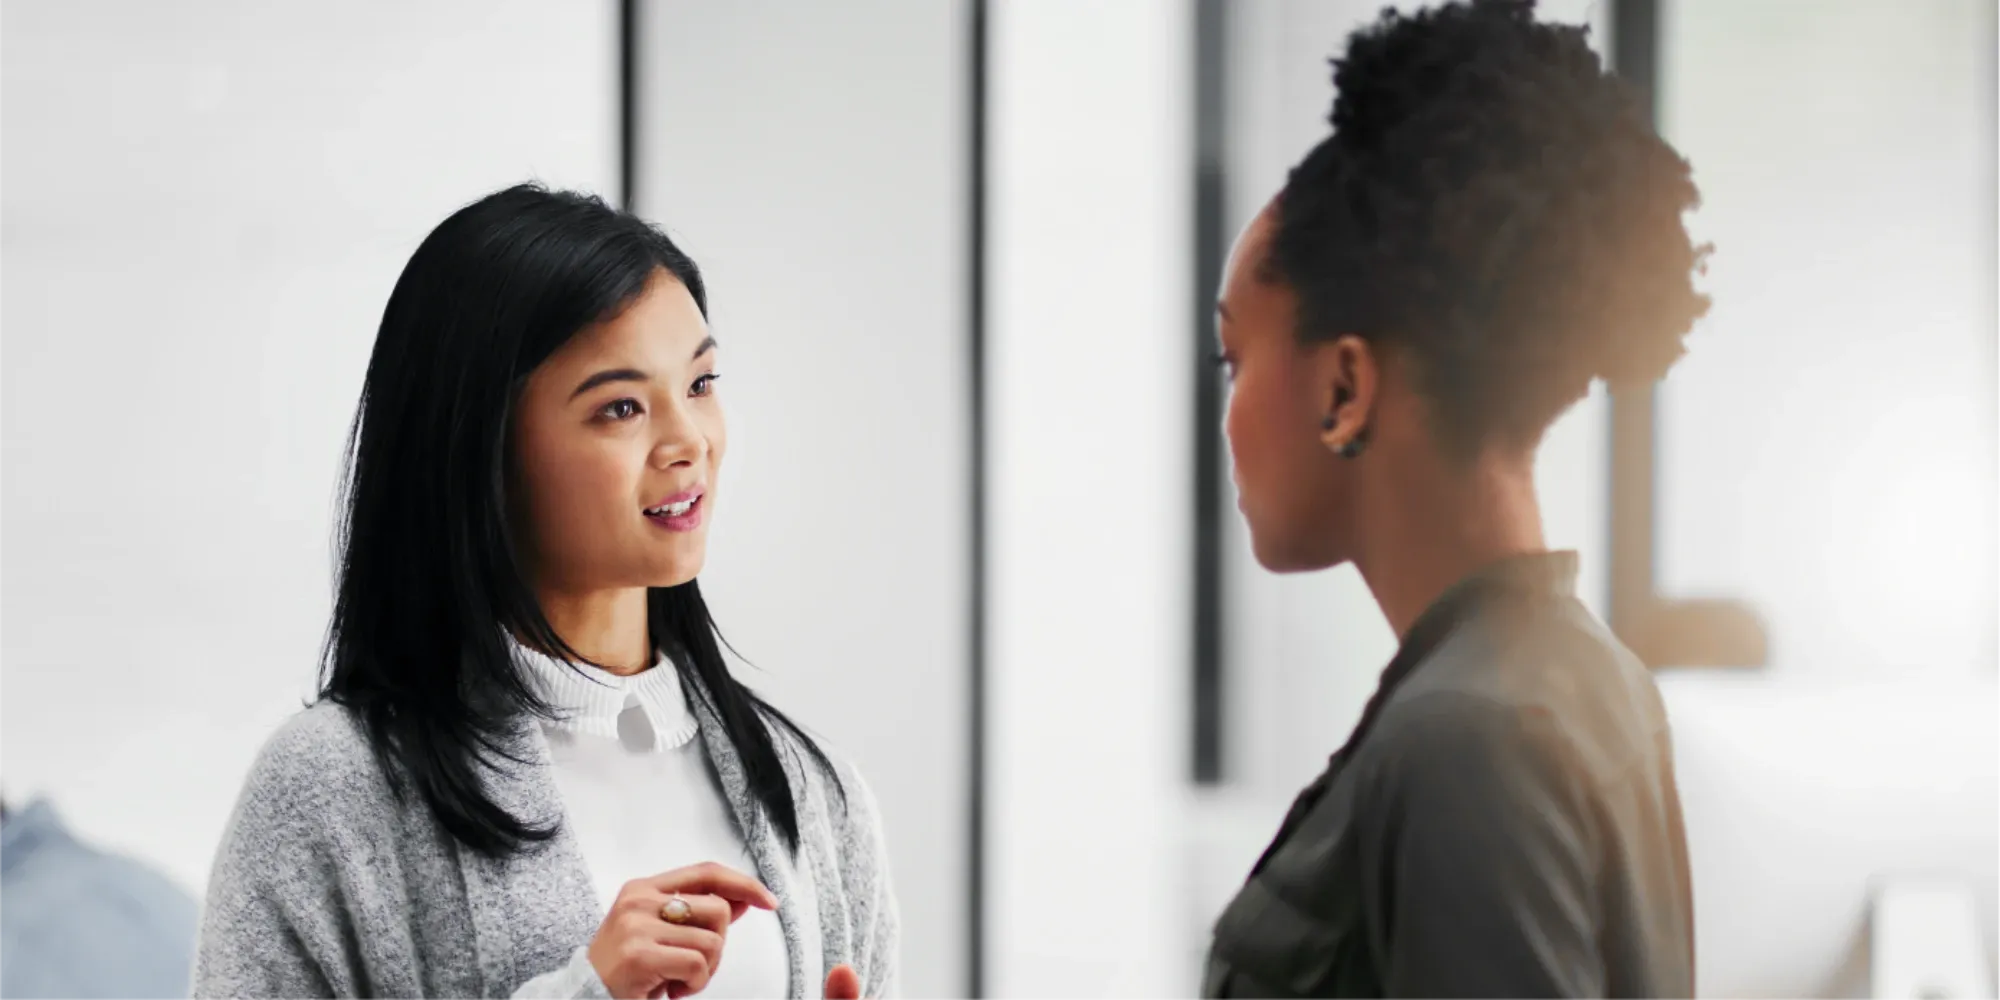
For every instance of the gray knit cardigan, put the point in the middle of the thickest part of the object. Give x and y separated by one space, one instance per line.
327 886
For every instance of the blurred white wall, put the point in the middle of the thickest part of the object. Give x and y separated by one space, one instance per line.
205 206
815 161
1091 167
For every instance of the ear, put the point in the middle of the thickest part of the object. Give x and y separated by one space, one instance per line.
1347 377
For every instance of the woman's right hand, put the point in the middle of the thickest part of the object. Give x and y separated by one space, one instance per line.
638 953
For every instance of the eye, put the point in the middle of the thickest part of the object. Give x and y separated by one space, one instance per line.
620 409
1224 361
704 385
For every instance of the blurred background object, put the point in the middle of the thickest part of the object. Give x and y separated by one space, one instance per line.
79 922
980 532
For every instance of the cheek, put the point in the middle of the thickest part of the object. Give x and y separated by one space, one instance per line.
717 430
575 487
572 472
1251 425
1283 477
1234 429
1273 445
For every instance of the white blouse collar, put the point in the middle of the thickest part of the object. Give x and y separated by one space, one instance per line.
590 699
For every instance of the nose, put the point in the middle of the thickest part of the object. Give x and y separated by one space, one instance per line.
679 439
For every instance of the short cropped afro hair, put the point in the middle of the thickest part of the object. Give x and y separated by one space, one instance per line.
1498 209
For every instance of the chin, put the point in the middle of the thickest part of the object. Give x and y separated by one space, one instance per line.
1287 556
673 573
1282 563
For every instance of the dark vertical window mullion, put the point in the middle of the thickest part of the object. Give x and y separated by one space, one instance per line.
628 103
1210 485
1635 30
975 914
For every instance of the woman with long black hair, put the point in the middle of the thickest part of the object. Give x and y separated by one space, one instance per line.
1492 224
530 771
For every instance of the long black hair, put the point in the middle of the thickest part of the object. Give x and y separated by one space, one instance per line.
430 576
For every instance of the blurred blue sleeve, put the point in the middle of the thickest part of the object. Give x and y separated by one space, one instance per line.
79 922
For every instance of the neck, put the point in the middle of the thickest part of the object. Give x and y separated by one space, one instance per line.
1461 520
606 627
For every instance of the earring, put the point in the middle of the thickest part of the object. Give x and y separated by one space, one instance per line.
1351 447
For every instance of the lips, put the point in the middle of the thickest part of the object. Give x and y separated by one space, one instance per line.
680 512
673 508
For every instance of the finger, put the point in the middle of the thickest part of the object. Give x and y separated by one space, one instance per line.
683 970
712 912
715 880
842 983
706 943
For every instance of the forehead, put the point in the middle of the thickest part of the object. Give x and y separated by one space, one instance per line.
1246 255
663 321
1250 299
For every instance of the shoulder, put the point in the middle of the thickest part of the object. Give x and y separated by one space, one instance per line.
320 735
279 914
1539 653
322 750
1555 681
1449 729
317 766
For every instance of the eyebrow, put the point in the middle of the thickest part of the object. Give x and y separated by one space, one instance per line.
606 377
632 374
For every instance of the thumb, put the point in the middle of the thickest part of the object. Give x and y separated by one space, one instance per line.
842 983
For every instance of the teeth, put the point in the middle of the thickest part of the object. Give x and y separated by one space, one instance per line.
673 509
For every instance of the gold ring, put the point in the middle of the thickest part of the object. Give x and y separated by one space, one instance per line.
676 910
